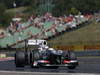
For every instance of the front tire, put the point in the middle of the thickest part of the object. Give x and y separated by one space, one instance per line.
20 59
72 56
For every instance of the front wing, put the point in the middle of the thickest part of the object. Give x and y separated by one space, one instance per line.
47 63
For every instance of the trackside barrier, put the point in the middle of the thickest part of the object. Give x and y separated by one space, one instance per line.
88 53
82 50
78 47
78 53
92 47
64 47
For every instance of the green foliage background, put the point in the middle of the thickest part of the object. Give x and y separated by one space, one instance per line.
60 7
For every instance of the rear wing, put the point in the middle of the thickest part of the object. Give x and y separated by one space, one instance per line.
37 42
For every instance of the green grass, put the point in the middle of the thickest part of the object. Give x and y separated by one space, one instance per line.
87 35
20 11
14 10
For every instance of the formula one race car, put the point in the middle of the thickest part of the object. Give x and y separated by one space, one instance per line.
44 56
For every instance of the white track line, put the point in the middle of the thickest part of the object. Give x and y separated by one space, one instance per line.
42 73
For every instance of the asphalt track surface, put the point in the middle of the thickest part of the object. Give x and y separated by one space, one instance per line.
87 66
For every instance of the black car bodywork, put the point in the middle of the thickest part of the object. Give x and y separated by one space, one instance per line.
46 58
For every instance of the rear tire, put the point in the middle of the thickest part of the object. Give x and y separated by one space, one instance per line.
20 59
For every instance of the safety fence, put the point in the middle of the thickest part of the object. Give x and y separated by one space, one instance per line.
61 47
11 53
80 50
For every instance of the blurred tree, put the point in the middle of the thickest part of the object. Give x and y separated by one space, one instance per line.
5 18
73 11
97 5
2 10
61 7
